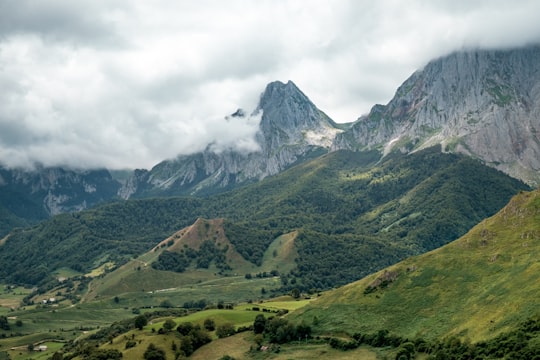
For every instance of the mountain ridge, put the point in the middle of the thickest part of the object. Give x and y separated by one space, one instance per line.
291 129
481 103
384 211
473 288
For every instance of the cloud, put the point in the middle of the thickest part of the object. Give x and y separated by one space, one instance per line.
130 83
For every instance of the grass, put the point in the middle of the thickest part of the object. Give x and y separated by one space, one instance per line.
236 346
474 288
280 254
11 297
23 353
239 346
236 317
137 277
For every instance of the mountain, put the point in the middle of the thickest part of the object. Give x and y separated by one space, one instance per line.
352 215
291 130
28 196
482 103
475 288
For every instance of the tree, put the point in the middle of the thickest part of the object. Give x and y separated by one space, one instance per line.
259 324
184 328
199 337
166 304
295 293
140 322
154 353
4 325
209 324
186 345
168 325
225 330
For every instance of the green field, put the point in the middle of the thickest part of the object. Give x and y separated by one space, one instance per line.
474 288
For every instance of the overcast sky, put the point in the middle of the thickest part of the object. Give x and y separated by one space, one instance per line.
126 84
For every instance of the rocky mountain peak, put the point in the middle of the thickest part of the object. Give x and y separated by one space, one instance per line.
483 103
290 117
291 129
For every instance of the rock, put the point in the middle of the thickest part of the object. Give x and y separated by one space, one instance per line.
483 103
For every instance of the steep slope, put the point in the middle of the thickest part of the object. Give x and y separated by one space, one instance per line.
483 103
340 204
292 129
204 243
485 283
197 253
27 196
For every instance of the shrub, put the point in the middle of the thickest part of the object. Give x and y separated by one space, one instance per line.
209 325
225 330
153 353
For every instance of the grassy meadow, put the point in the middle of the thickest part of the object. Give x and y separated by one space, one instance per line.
474 288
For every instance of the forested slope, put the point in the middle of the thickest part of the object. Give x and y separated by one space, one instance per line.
354 215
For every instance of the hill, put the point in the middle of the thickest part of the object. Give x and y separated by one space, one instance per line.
482 103
352 214
475 288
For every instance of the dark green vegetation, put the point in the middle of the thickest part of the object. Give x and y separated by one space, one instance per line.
522 343
353 215
476 288
23 195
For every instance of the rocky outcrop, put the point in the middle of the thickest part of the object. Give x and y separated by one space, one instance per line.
51 191
483 103
291 129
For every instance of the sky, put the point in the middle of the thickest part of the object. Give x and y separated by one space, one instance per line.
127 84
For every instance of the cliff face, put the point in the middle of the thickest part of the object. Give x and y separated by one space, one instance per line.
291 129
482 103
485 104
51 191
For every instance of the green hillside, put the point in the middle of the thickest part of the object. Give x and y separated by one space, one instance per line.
475 288
352 214
203 276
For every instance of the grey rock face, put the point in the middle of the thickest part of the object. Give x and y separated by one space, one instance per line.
57 190
483 103
291 129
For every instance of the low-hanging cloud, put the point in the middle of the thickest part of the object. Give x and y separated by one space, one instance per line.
127 84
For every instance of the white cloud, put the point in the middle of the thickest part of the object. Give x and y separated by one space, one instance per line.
130 83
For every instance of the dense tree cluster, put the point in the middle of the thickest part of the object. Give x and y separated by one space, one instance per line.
192 337
279 330
208 253
522 343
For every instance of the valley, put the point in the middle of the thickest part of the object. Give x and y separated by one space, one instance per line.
405 234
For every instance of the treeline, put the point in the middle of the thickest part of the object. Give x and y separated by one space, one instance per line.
207 254
279 330
350 215
520 344
113 232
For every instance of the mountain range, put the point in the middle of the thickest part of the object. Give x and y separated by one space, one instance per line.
474 288
482 103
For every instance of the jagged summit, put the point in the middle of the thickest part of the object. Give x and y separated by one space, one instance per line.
284 105
483 103
291 129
